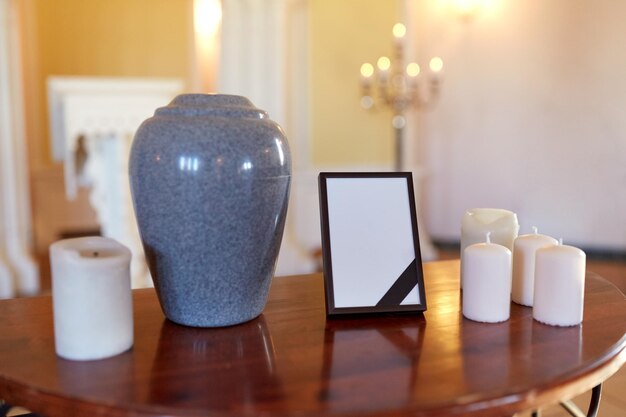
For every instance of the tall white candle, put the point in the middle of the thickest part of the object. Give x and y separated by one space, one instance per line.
524 250
559 285
487 291
92 298
476 222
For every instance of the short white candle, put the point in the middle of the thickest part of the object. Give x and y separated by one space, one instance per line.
559 285
92 298
476 222
524 250
487 291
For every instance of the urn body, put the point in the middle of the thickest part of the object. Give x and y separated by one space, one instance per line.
210 178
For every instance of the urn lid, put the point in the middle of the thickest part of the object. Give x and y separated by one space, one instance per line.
221 105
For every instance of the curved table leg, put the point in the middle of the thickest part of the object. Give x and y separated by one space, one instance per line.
594 404
572 409
5 408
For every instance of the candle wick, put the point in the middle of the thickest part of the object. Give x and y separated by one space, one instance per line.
488 237
535 230
96 254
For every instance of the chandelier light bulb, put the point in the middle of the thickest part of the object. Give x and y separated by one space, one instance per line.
399 30
398 122
413 70
436 64
383 63
367 70
367 102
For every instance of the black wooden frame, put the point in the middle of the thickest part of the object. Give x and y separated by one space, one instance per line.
331 309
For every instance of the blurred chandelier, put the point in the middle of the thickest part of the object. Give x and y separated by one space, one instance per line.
399 88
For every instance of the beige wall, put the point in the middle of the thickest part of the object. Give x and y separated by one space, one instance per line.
531 117
344 34
99 38
140 38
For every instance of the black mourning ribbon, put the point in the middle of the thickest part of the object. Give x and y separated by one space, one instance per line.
401 288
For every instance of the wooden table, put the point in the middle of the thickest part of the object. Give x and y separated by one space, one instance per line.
292 361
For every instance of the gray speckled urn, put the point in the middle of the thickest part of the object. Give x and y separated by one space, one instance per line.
210 177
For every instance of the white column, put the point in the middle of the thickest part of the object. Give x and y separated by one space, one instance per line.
412 160
18 271
253 57
264 46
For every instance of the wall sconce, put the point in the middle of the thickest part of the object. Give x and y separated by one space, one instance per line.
466 8
469 9
207 21
207 17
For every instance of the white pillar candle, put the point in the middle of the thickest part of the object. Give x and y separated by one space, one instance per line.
476 222
524 250
92 299
559 285
487 291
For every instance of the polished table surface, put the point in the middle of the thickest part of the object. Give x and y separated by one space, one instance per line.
293 361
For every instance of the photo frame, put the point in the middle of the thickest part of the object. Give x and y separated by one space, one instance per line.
370 243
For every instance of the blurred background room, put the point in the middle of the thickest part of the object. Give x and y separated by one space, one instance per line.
527 113
514 104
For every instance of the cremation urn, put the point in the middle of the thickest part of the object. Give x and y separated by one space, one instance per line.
210 178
